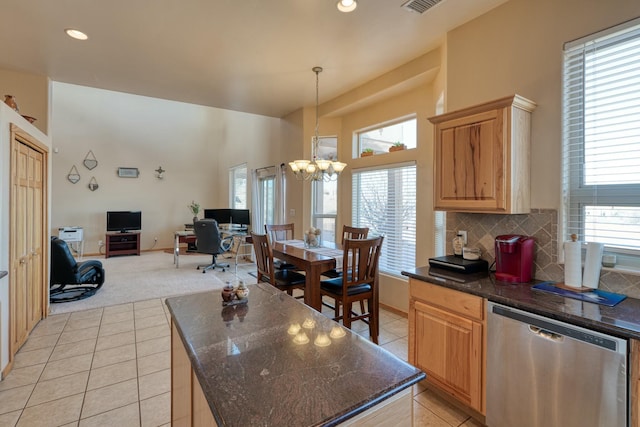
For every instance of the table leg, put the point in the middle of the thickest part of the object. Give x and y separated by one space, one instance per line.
176 250
312 295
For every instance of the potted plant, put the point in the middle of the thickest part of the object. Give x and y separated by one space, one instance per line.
367 152
194 208
397 146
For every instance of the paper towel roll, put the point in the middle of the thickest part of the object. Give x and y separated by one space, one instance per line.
592 265
573 264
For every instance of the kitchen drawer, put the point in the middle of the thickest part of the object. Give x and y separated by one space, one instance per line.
462 303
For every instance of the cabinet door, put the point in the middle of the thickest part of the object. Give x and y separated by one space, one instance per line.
449 349
470 163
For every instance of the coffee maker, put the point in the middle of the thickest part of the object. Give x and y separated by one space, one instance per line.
514 258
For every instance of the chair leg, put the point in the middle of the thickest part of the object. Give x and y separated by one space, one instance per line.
373 322
337 310
346 315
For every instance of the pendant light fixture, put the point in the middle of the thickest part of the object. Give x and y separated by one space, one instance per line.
347 5
316 169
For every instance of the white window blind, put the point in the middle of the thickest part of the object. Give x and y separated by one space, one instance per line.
601 139
384 199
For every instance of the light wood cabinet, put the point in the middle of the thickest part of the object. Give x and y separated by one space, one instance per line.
28 237
634 383
482 157
447 341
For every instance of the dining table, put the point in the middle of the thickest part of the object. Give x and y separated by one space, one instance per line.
313 261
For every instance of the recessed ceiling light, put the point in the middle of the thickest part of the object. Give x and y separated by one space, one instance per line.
347 5
76 34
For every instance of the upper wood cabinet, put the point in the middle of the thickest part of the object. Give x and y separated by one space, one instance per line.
482 157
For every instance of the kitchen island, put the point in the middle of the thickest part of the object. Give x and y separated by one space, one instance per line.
275 362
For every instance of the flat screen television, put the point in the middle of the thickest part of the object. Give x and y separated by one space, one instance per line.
124 221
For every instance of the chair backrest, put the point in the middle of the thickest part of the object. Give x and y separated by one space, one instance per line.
349 232
360 260
278 232
207 236
264 257
63 264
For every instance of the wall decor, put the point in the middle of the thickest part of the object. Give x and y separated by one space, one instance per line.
93 184
90 160
128 172
160 172
73 175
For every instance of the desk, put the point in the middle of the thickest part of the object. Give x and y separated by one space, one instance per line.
188 236
313 261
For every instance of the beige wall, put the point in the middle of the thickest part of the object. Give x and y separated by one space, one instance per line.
196 145
32 95
517 48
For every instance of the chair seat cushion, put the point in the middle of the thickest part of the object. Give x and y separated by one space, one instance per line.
335 286
289 278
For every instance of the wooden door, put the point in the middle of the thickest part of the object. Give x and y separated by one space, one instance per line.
448 348
27 240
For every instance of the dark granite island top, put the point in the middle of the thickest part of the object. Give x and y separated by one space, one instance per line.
622 320
252 373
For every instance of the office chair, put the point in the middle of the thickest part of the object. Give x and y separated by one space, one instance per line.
209 241
72 280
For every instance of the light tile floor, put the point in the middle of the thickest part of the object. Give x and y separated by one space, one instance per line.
111 367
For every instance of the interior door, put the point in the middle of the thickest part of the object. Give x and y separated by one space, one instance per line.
27 240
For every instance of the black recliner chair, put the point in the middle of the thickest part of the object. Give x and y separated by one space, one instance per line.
72 280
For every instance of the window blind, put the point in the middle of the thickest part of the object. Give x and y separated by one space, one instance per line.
384 199
601 139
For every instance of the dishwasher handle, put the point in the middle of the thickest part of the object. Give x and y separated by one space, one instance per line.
543 333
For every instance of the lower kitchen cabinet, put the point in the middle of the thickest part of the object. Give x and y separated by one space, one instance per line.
447 341
634 383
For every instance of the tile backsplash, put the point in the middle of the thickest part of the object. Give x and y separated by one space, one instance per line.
542 225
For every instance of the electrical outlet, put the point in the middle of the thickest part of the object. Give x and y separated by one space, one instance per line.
155 239
99 242
292 212
463 233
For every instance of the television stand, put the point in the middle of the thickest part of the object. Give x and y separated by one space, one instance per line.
118 243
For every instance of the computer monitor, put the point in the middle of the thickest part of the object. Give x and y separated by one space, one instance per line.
240 216
222 216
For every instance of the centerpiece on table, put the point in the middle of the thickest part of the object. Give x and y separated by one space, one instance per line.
312 238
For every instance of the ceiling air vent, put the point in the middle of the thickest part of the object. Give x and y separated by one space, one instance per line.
420 6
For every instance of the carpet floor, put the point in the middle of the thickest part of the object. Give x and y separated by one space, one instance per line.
154 275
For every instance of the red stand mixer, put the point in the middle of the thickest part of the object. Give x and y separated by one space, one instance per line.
514 258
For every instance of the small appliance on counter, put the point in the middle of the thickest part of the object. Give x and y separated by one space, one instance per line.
459 264
514 258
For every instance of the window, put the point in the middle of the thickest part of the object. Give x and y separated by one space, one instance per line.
601 140
238 184
267 193
325 194
380 139
384 199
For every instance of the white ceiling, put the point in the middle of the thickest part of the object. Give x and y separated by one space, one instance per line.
246 55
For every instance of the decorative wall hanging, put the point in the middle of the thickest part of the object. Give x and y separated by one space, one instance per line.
90 161
128 172
93 184
73 175
160 172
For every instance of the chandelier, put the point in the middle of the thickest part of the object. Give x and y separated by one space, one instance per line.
316 169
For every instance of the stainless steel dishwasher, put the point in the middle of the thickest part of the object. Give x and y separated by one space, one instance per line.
542 372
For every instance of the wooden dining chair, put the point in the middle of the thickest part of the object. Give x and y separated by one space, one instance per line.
276 233
358 283
285 280
348 232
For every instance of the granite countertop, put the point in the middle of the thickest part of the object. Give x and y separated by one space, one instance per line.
3 273
252 373
622 320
